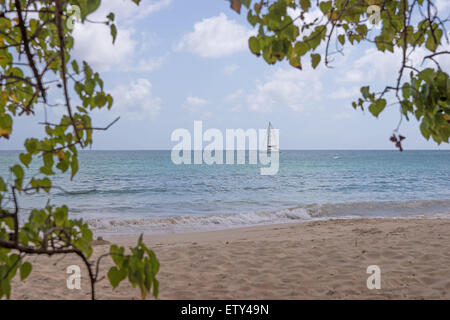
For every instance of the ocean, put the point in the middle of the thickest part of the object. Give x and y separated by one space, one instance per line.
128 192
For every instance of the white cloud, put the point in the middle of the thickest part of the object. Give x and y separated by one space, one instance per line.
136 101
345 93
230 69
234 96
149 7
298 90
93 43
195 104
216 37
376 65
150 64
373 64
442 5
236 99
128 12
343 115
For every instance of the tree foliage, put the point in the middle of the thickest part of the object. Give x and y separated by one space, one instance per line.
404 26
35 45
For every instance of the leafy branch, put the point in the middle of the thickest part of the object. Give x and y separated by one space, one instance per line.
38 31
286 33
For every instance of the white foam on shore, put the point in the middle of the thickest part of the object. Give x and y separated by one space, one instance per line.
189 223
200 223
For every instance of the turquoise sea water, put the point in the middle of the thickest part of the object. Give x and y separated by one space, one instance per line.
143 191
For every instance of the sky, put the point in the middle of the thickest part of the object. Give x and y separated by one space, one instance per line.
176 61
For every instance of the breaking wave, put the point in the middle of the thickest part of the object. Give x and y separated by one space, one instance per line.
350 210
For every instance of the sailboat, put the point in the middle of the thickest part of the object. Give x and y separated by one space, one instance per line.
271 140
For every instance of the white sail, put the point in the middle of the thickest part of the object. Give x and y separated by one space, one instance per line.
271 139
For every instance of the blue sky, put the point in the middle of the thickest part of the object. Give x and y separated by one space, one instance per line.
176 61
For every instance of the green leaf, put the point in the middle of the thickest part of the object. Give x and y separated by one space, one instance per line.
83 8
74 166
406 91
155 288
48 160
325 6
246 3
2 185
254 45
25 158
117 254
301 48
365 91
89 86
378 106
295 61
114 277
341 39
315 59
5 125
305 4
110 101
75 67
19 173
425 131
5 287
114 32
46 184
92 5
31 145
100 100
46 170
25 270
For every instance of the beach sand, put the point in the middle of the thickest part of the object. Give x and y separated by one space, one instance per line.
312 260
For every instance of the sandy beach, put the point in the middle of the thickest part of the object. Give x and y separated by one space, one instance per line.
313 260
